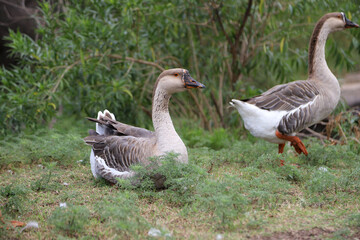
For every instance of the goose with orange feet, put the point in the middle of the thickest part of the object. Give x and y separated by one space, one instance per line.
284 110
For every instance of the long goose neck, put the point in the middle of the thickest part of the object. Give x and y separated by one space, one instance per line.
318 68
160 112
166 137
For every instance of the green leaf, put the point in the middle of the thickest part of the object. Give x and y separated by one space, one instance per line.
282 44
261 7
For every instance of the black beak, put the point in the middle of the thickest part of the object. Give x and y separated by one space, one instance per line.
190 82
350 24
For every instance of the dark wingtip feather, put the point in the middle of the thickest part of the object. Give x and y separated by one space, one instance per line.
92 119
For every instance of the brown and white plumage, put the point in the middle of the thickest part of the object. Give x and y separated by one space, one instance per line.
295 98
282 111
116 146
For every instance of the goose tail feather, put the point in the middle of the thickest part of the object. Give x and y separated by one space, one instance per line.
101 127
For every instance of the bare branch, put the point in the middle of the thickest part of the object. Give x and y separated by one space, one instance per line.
176 60
318 135
200 108
218 110
241 28
216 11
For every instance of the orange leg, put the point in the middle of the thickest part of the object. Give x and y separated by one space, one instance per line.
281 147
295 142
281 150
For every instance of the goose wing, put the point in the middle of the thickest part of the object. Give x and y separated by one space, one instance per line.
120 152
296 98
113 127
286 97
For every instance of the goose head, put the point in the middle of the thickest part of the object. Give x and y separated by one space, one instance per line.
337 21
176 80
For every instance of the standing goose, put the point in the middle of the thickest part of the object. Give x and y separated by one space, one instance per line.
116 146
282 111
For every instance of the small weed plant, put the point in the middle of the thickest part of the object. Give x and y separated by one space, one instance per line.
121 214
43 183
13 199
177 180
70 220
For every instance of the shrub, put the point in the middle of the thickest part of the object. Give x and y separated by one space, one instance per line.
121 214
13 198
43 183
231 196
177 180
71 219
43 146
119 48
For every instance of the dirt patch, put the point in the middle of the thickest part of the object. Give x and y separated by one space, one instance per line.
315 233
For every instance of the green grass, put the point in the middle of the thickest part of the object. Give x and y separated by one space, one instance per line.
231 186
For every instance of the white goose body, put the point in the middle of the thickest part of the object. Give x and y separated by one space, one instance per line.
282 111
116 146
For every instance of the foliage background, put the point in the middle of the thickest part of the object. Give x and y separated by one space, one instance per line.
93 55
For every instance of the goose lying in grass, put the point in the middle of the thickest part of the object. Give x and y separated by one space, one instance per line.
116 146
282 111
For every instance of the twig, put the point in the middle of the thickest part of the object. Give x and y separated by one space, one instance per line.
355 139
172 58
342 133
318 135
129 69
193 50
241 29
201 111
221 86
216 11
210 109
145 85
146 110
211 167
184 112
218 109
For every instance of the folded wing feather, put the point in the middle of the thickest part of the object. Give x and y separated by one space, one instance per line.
120 152
297 98
286 97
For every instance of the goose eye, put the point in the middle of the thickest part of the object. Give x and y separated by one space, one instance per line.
176 74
